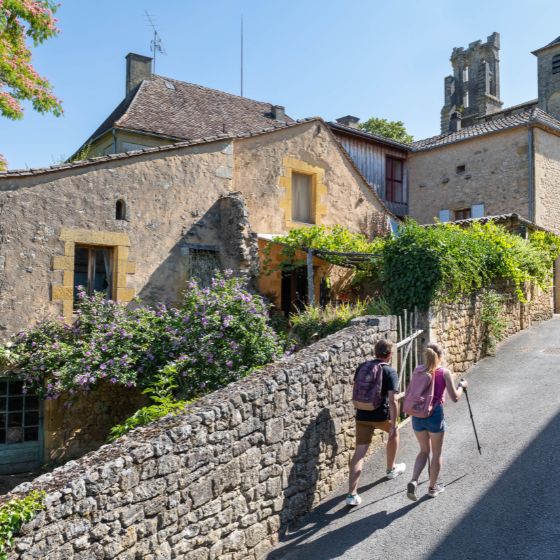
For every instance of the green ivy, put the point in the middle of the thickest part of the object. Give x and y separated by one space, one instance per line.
328 238
422 265
492 319
13 514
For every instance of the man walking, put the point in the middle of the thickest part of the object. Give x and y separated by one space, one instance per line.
384 417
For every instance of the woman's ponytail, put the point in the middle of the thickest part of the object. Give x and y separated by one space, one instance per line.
432 356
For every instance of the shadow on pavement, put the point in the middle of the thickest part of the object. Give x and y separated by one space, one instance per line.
335 543
518 517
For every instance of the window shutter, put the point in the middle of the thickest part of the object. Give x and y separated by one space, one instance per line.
444 215
477 210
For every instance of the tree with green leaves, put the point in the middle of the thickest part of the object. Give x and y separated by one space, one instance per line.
395 130
22 20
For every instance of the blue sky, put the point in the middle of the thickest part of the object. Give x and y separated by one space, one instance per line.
317 57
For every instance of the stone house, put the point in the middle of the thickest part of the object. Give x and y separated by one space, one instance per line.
139 224
490 161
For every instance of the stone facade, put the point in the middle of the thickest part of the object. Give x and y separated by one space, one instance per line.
495 174
547 180
263 169
549 77
459 329
171 202
221 481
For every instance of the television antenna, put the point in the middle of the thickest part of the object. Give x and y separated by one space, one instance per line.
156 44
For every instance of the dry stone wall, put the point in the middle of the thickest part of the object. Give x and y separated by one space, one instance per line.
221 481
458 326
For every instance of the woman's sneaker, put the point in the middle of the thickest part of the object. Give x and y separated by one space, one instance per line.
411 490
353 500
436 490
398 469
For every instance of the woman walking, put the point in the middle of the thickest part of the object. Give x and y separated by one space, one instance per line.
430 431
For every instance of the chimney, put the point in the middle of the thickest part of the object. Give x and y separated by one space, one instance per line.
279 113
349 120
455 122
138 68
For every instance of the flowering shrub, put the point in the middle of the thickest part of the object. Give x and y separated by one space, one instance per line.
217 335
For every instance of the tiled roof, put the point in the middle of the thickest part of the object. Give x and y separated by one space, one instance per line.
184 111
368 135
488 125
512 218
165 148
551 44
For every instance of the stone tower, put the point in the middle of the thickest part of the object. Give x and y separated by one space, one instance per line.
474 88
549 77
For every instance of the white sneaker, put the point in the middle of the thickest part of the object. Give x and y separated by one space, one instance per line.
411 490
436 490
397 470
353 500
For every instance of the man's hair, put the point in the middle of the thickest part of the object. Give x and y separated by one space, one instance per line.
383 348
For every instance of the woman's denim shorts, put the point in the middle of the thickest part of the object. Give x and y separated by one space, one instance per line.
434 423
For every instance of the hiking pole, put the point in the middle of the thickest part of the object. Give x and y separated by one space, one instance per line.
472 419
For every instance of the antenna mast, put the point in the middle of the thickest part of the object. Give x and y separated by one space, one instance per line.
155 44
241 56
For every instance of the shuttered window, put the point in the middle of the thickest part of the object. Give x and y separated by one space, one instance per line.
394 187
556 64
302 198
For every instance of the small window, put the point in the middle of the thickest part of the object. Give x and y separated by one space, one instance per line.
19 414
394 184
203 263
93 269
556 64
466 74
466 100
302 198
462 214
444 215
460 169
120 212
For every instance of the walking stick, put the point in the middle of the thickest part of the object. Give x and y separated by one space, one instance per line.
472 419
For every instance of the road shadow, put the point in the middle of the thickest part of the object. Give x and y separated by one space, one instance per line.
335 543
518 517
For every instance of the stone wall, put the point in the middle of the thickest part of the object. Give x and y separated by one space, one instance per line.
457 326
496 174
221 481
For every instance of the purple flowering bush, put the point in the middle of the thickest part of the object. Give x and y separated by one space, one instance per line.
217 335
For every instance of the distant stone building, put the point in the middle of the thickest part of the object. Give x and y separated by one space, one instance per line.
505 160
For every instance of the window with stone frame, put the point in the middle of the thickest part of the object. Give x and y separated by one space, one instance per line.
462 214
302 198
394 180
93 270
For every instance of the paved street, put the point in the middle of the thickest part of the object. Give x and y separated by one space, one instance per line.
504 504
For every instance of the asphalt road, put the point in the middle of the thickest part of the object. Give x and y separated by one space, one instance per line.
503 504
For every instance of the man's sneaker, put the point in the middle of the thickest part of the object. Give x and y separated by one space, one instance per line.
436 490
411 490
398 469
353 500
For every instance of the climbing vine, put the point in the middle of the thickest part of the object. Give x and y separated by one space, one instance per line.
421 265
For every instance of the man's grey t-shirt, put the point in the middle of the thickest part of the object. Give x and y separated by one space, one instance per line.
390 383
